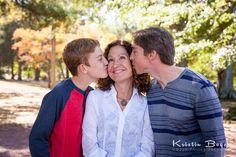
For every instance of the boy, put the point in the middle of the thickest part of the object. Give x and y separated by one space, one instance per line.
57 131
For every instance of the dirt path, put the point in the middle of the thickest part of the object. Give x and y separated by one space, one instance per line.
19 104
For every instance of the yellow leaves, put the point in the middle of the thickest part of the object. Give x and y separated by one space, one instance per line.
106 39
92 31
18 33
34 46
11 12
87 31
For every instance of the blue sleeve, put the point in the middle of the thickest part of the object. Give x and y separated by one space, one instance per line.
209 114
47 116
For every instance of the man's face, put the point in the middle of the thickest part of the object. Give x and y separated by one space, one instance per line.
98 64
139 60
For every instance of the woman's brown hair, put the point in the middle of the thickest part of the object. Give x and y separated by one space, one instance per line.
141 82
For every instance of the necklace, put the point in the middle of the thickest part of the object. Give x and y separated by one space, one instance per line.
123 102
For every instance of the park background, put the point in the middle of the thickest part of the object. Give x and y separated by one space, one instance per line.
33 34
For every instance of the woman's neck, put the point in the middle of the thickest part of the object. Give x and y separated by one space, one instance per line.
124 89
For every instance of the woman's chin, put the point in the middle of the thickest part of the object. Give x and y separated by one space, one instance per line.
121 80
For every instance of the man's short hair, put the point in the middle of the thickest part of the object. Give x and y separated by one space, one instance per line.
158 39
77 52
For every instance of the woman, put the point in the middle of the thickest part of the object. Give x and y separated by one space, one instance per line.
116 121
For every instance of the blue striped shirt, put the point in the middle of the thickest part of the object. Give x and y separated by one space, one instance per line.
186 117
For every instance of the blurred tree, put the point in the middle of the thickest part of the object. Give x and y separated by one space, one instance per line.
40 14
200 28
35 47
6 54
10 17
204 30
57 14
211 26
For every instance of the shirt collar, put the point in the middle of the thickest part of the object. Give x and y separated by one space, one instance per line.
113 92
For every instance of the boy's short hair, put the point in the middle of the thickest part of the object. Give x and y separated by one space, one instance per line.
158 39
76 52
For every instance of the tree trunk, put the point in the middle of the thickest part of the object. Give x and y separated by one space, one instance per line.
28 73
53 63
61 69
19 71
12 70
49 78
225 83
36 73
1 69
67 73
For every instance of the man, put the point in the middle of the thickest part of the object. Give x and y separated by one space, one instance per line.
57 131
184 108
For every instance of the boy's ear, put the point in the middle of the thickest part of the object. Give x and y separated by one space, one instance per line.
83 68
152 55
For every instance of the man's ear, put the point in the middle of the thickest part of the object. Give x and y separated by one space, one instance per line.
83 68
152 55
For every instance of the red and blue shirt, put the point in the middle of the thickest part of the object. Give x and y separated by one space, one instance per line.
57 131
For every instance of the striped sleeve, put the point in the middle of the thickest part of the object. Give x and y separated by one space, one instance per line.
209 115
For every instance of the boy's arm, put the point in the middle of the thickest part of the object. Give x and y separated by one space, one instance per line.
209 115
90 125
39 136
147 141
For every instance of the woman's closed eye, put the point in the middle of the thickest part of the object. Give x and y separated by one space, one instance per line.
110 60
100 59
123 57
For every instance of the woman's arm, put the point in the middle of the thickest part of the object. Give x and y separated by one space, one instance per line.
90 125
147 141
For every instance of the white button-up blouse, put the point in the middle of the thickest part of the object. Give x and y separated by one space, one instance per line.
109 131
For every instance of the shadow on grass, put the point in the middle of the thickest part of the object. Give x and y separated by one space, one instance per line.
9 115
9 95
14 136
5 154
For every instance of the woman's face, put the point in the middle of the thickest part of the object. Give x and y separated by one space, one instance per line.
119 65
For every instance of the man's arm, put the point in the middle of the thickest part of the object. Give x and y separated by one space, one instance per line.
209 115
